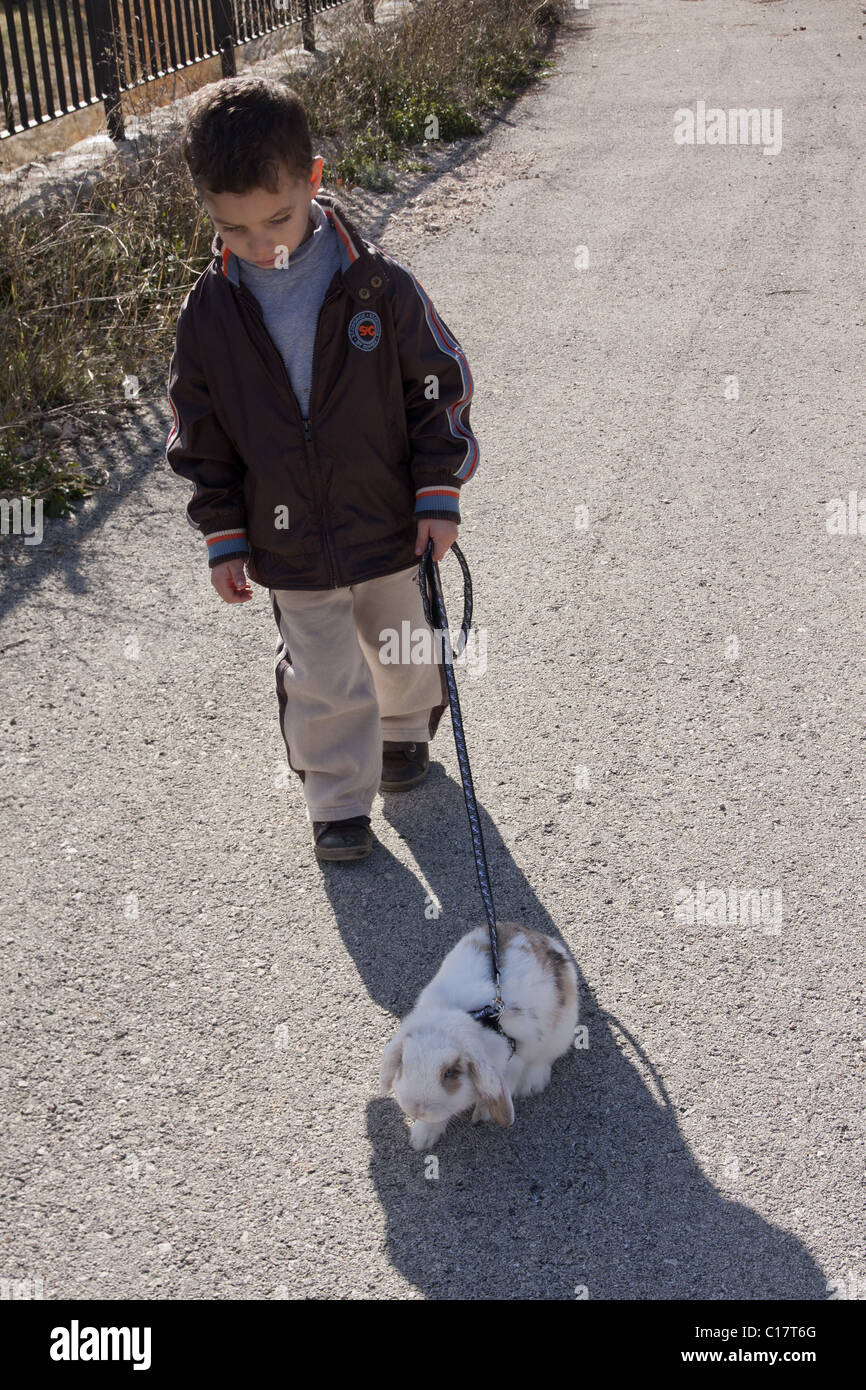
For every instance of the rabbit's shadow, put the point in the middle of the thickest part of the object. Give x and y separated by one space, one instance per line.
593 1192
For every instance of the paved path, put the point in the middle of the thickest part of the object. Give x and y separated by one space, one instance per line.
192 1088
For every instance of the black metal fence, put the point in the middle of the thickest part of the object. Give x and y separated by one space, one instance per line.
59 56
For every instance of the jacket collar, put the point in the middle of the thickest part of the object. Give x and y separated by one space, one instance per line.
361 266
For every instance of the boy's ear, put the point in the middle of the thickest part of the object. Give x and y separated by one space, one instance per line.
316 174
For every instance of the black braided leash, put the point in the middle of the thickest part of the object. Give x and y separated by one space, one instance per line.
428 573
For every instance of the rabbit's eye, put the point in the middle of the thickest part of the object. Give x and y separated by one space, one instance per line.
450 1073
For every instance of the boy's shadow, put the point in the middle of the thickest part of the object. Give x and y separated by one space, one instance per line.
593 1192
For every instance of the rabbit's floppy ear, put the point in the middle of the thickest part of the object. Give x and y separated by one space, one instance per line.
391 1059
491 1091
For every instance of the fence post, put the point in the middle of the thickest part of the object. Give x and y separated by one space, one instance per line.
105 63
224 35
308 35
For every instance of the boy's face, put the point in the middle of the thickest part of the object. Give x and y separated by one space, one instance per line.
254 224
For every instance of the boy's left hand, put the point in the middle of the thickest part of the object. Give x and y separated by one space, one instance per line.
443 533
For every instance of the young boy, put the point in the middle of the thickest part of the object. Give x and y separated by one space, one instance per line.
321 411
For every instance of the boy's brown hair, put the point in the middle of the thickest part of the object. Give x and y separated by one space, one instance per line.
239 131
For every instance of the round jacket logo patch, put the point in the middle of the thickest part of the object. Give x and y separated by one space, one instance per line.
365 330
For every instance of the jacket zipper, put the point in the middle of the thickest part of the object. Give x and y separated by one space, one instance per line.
305 423
308 437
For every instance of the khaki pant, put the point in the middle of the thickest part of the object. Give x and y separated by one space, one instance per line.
338 700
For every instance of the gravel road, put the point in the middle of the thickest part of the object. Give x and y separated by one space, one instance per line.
672 705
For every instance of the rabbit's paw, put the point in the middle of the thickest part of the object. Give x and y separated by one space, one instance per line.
534 1079
424 1135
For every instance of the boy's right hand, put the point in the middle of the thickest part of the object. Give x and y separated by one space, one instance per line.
230 581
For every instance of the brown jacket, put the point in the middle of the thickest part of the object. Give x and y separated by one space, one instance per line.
335 499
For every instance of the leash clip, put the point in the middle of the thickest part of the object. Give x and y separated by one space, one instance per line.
489 1017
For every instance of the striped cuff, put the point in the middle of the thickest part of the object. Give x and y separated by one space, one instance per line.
226 545
439 501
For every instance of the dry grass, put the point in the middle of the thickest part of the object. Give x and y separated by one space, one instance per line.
445 65
90 289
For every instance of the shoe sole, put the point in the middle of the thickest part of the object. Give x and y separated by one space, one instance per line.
405 785
343 852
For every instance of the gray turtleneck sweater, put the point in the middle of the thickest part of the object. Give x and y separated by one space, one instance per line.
291 296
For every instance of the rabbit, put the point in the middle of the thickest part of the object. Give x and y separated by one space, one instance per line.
441 1060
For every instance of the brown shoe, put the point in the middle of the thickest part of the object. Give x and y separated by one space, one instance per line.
343 839
404 765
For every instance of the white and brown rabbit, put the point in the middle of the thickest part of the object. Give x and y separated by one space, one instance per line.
442 1060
